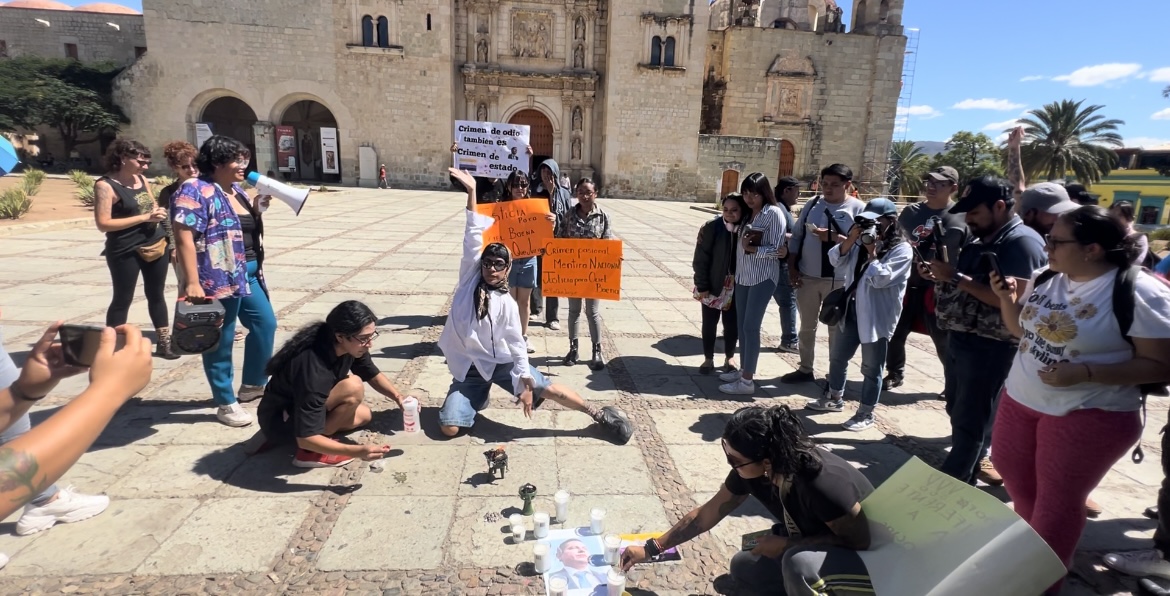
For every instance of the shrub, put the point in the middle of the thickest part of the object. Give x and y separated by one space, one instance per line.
1160 234
31 181
84 183
14 203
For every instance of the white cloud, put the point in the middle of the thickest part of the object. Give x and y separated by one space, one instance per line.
1000 126
921 112
1000 105
1159 75
1091 76
1162 114
1144 142
1032 78
901 124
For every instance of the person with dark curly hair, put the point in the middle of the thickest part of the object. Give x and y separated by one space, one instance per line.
180 156
218 230
135 242
816 493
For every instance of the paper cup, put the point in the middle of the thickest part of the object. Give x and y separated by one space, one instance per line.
597 520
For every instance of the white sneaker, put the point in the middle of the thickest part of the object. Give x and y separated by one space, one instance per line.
740 387
731 376
234 415
69 506
3 560
528 345
1139 563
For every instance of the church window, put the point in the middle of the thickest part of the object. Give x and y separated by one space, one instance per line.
383 32
368 31
668 52
656 51
428 21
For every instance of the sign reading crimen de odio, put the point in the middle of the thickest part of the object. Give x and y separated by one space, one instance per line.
577 268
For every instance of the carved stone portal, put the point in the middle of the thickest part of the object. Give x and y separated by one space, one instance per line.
577 118
790 102
532 34
579 56
481 50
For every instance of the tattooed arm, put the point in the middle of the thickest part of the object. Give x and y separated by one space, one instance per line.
1015 162
698 521
41 456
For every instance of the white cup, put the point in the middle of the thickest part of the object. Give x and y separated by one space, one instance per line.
558 587
597 520
561 498
518 533
540 558
540 523
613 544
516 519
616 582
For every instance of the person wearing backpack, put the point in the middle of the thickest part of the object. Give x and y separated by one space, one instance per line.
1092 330
1124 210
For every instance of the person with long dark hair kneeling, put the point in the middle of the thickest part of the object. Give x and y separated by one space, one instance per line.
816 493
484 344
318 385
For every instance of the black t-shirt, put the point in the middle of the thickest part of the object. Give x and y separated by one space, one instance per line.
251 235
301 388
811 502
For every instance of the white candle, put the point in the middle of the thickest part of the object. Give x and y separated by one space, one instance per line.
515 519
616 582
597 520
613 544
518 532
558 587
540 524
540 557
562 500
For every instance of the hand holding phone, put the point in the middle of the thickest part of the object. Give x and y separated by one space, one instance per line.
993 259
79 343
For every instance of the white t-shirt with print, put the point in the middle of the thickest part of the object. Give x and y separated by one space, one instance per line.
1068 321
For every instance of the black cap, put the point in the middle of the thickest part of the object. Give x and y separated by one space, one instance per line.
1079 194
786 183
985 190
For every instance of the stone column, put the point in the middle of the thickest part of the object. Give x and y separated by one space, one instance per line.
262 132
587 137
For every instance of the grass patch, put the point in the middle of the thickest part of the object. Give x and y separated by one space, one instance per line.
84 183
31 181
14 203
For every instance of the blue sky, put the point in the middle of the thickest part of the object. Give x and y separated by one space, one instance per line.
985 62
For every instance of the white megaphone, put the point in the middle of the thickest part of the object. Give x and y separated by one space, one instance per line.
294 197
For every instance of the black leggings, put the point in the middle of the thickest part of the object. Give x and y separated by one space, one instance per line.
124 270
711 318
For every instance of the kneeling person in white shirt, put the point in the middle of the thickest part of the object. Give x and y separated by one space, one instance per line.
483 342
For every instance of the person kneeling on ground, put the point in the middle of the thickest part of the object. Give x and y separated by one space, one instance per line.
484 345
312 394
816 493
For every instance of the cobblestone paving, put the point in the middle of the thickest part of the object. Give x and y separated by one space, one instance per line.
193 513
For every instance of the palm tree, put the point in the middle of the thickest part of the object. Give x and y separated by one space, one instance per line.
1061 138
908 164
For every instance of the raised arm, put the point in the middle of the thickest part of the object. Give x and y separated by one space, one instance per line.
1015 162
468 183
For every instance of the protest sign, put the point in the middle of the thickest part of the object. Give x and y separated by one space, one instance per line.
578 268
521 225
491 149
935 536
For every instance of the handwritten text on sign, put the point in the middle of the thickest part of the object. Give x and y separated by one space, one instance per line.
575 268
491 149
522 225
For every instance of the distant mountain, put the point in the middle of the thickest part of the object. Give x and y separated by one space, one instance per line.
931 147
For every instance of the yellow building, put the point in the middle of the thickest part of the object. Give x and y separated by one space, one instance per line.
1140 183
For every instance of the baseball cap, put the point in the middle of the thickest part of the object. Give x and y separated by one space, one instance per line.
1046 197
877 208
786 182
944 174
985 190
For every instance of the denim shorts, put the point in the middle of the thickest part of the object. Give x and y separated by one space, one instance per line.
466 398
523 274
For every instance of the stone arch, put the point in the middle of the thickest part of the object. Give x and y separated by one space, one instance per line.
308 116
291 92
199 103
539 106
860 17
543 137
231 116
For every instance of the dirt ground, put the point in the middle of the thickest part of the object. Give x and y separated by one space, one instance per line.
55 201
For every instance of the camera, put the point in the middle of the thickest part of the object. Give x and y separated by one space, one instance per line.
929 243
869 230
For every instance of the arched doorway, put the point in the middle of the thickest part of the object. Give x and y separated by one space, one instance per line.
314 162
729 184
230 116
540 134
787 158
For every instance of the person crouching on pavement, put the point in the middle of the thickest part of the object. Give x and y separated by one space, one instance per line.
483 343
318 388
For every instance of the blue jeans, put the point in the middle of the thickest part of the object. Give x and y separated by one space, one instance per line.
873 360
751 302
15 431
467 397
255 312
786 299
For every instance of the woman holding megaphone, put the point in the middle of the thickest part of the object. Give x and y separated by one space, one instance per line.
218 232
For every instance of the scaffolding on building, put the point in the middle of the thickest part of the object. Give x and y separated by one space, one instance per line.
877 166
909 64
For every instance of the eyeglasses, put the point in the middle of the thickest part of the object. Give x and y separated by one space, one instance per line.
365 340
189 166
143 162
938 184
1051 242
494 264
735 466
520 184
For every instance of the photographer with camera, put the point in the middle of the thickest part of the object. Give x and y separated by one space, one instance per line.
877 260
980 346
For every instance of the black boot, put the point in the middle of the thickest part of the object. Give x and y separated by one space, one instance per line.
572 357
597 363
165 349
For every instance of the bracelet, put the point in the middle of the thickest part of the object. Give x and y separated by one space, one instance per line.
1088 370
956 278
20 395
653 548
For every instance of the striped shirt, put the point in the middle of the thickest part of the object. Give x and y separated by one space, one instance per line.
754 268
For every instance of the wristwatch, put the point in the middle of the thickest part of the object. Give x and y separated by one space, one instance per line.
957 277
653 549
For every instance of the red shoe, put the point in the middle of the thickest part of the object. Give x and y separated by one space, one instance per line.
312 459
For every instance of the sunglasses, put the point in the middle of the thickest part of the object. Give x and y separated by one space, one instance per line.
494 264
143 162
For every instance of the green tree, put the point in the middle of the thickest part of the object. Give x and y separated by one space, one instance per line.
908 165
972 155
1063 137
72 97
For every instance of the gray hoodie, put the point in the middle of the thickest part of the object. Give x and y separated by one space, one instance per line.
560 199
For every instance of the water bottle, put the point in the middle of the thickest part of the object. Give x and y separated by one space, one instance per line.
410 415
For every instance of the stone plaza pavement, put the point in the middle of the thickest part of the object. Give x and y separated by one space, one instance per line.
192 512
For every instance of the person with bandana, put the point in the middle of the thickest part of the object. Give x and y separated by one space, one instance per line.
483 342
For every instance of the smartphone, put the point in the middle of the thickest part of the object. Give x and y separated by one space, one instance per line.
79 343
994 260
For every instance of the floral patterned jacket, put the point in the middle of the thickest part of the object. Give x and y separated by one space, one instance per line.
202 206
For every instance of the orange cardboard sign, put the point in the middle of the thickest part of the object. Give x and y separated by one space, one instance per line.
578 268
521 225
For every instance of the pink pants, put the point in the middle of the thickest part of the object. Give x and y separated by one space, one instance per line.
1050 464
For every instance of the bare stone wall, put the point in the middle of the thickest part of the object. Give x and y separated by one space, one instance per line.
744 155
96 40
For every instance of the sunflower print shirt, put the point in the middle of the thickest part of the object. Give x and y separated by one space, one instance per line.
203 207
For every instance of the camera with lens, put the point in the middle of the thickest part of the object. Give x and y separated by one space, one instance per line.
869 230
929 243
